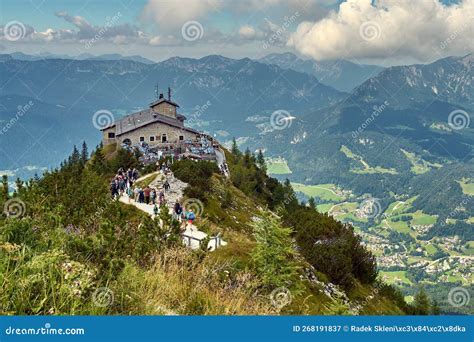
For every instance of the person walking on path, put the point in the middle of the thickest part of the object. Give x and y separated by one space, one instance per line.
135 174
129 194
178 211
153 196
136 192
113 189
190 217
166 186
162 198
122 185
147 192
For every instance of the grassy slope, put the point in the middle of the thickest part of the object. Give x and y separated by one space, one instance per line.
234 223
277 166
325 192
366 168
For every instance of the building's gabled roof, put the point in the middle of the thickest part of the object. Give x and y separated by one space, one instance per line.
143 118
154 103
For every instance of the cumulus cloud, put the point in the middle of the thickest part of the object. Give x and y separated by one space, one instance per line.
247 32
423 30
84 32
112 30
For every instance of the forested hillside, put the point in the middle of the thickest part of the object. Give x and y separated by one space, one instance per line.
67 248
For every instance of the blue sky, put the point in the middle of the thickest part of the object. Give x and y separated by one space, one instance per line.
399 30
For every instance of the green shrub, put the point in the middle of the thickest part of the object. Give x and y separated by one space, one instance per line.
274 253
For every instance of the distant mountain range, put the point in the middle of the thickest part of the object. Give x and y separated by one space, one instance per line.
448 79
362 142
340 74
84 56
217 94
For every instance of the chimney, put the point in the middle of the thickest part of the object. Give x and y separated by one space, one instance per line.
161 96
169 94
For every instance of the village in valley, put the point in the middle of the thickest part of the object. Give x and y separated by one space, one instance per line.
395 234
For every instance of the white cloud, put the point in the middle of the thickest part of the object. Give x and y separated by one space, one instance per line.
169 14
422 29
247 32
156 40
83 32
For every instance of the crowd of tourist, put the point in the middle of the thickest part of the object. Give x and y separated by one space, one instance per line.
224 169
124 182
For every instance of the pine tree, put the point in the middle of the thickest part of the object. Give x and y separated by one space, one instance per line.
235 149
84 153
273 255
261 161
290 199
99 164
19 185
312 203
421 303
5 187
75 156
247 157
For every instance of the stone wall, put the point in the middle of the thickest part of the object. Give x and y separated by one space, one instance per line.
166 109
105 136
157 130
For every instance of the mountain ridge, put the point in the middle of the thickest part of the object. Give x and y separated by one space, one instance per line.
341 74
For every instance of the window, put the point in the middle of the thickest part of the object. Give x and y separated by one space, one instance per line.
111 135
142 139
152 138
163 138
181 138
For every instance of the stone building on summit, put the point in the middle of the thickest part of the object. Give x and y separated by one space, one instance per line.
160 125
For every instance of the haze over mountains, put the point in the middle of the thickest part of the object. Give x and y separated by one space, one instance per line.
341 74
